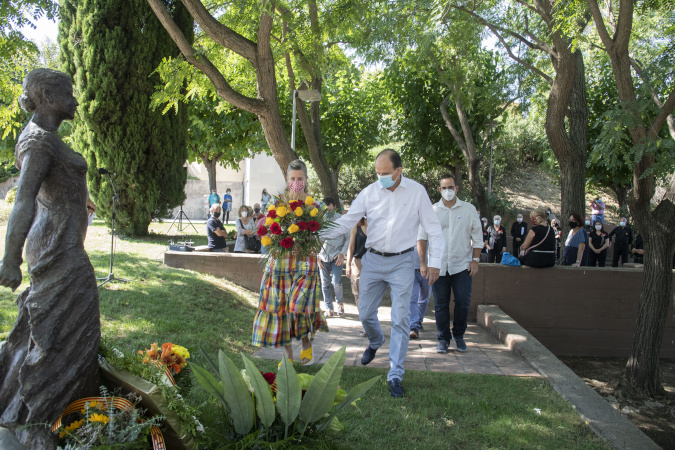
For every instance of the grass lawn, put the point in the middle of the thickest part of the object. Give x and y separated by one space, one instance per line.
440 410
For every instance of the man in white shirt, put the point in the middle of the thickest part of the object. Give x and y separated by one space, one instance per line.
463 238
396 207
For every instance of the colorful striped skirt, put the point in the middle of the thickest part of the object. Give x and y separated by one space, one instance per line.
289 303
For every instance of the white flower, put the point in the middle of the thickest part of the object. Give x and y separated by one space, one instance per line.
247 380
117 353
199 427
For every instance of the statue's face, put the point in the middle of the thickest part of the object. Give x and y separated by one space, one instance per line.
63 102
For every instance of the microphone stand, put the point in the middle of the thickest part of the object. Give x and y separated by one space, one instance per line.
111 276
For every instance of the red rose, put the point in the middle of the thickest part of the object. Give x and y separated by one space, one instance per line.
296 204
272 214
314 225
262 231
287 242
302 225
275 228
270 377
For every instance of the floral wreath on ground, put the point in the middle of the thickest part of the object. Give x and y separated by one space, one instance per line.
293 227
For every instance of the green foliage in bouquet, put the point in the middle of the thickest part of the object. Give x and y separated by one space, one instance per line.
266 408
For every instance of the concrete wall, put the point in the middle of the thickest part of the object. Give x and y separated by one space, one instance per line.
572 311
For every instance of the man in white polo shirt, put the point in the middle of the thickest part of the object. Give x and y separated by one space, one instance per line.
463 239
396 207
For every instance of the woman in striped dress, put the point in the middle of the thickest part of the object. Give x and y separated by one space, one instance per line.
289 303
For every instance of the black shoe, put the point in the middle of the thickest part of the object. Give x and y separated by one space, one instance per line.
395 387
442 346
368 355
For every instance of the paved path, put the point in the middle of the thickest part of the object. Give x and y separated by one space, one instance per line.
485 355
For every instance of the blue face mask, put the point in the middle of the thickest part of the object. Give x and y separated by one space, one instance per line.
386 181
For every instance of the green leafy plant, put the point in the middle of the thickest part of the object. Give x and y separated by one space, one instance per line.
11 196
302 404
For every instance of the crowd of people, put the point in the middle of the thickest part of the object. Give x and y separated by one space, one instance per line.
393 237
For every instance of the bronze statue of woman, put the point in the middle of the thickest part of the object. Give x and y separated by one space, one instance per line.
50 356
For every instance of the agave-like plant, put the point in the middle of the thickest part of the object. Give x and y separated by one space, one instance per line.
294 411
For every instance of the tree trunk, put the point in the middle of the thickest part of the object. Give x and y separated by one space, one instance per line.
567 106
468 147
621 192
642 369
210 165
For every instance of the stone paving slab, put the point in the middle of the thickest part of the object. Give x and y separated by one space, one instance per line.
485 355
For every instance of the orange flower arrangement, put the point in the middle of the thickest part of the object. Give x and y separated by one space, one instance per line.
174 357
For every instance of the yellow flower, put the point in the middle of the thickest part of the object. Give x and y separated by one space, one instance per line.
94 404
293 228
266 241
269 221
281 211
72 427
314 212
99 418
309 200
181 351
271 208
298 211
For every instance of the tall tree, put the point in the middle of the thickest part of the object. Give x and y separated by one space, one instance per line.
614 25
111 48
533 26
299 34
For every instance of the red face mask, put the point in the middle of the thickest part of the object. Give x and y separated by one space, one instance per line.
296 186
533 222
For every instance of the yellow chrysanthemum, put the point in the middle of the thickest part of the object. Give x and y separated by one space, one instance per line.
271 208
314 212
269 221
293 228
102 418
298 211
266 241
281 211
309 201
181 351
72 427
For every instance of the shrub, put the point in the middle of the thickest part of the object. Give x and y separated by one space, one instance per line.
11 196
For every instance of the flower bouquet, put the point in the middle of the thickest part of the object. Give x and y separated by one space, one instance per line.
293 227
171 357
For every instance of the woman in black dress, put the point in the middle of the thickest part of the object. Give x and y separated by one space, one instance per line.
598 245
538 250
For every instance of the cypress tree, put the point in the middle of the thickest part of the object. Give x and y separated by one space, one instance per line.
111 49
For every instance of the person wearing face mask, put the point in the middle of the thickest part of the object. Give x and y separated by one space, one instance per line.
215 232
289 303
518 232
588 226
256 212
623 237
486 238
463 242
227 205
599 243
331 263
265 200
598 210
245 227
576 244
496 240
395 207
213 199
538 249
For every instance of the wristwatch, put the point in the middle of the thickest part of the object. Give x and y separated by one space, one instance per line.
476 259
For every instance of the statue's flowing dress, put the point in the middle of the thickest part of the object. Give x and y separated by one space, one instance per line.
50 356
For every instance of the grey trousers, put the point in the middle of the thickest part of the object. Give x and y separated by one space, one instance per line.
398 273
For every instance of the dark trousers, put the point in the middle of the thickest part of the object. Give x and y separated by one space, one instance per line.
598 258
460 284
495 255
516 247
620 249
226 216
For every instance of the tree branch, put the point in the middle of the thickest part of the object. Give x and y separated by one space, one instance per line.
600 25
448 123
655 98
201 62
220 33
667 108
